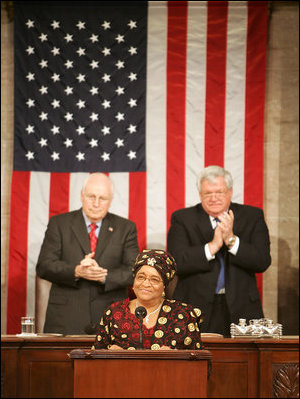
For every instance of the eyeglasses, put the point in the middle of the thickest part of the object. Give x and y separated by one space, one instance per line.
93 198
217 194
140 278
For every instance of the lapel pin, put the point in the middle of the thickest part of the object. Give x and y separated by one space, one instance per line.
110 229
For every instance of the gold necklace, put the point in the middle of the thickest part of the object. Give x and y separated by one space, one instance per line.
149 314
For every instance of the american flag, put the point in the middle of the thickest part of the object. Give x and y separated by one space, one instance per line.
148 92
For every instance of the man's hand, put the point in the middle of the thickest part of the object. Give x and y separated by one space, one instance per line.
90 270
217 242
115 347
226 225
223 232
89 260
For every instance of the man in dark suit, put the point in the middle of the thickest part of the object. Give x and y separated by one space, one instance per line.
217 236
85 281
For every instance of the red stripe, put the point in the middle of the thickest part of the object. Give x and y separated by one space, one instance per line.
59 193
176 99
255 99
17 267
217 14
137 204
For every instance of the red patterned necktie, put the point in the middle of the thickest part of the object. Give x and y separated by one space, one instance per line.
93 237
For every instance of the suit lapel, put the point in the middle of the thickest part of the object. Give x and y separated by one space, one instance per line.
204 227
106 231
80 231
236 221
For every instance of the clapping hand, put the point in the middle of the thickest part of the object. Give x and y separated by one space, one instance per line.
223 232
90 270
226 225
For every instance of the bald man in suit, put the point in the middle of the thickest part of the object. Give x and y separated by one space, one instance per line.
213 232
84 283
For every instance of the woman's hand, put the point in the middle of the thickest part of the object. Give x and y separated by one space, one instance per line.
115 348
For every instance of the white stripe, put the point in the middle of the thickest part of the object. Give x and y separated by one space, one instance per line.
195 97
120 202
156 125
76 183
235 96
38 214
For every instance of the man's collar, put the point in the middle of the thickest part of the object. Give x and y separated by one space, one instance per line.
87 220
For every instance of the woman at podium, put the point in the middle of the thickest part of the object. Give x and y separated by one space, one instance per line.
150 321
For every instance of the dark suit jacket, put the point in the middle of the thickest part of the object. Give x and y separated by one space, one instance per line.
197 277
77 304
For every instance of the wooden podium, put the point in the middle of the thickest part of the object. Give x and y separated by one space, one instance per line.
140 373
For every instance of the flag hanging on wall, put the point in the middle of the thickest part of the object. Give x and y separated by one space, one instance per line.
148 92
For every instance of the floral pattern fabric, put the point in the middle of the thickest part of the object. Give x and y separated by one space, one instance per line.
176 327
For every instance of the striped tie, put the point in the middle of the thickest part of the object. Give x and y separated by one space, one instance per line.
93 238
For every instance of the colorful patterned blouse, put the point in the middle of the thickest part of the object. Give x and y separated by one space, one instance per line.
176 327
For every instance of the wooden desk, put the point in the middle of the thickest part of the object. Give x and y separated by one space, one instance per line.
253 368
140 373
40 366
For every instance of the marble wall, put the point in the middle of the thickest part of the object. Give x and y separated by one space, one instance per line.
281 200
281 161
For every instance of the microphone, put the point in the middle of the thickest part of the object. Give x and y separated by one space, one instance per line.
141 313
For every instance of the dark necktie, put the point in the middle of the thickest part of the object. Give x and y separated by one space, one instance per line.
93 237
221 277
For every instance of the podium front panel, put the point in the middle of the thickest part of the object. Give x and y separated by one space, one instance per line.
141 375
